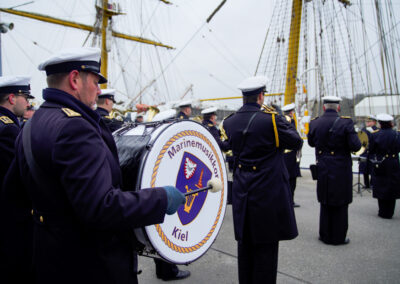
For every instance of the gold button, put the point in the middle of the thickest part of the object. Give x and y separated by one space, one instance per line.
41 219
240 166
332 153
376 166
32 211
387 156
254 168
394 156
320 152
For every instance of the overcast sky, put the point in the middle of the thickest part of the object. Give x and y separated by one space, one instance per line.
213 57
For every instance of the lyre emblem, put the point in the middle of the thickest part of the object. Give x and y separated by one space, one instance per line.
190 199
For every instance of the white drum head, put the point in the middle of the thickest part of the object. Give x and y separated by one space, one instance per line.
186 155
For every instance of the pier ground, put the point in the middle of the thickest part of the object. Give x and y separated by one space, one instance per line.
373 255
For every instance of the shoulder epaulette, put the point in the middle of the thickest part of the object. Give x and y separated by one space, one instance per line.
315 117
70 113
345 116
181 117
6 119
210 125
108 117
229 115
375 131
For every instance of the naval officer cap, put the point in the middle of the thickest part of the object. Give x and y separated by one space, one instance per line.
85 59
384 117
16 85
331 100
107 94
371 117
210 110
288 107
185 103
253 85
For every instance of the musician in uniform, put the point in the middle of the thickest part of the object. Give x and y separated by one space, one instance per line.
290 156
334 138
185 110
210 122
365 166
105 103
262 206
164 270
14 261
67 163
384 150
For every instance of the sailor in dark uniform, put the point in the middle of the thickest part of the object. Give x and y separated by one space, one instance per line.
105 103
14 253
262 206
67 162
210 122
164 270
334 138
291 157
365 166
28 113
185 110
384 151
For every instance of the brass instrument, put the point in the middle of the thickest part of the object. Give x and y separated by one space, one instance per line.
364 142
151 112
267 108
198 118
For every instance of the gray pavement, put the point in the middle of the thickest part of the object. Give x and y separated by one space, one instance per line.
373 255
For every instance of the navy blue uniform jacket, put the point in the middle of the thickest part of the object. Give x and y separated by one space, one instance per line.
224 145
112 124
261 197
333 156
182 115
385 145
83 222
290 158
9 129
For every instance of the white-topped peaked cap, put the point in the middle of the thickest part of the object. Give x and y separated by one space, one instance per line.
16 84
185 103
107 93
331 100
81 59
166 114
253 84
209 110
384 117
371 117
289 107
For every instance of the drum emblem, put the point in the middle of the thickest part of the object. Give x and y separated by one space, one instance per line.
193 174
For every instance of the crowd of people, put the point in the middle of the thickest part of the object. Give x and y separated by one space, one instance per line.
67 219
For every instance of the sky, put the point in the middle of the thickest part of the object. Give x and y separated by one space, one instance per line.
213 57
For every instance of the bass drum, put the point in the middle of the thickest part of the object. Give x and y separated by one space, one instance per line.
184 154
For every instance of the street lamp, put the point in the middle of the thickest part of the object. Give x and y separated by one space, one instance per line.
4 27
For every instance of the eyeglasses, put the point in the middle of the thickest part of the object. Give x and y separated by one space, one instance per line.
25 95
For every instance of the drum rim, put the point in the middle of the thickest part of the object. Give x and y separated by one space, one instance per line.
222 207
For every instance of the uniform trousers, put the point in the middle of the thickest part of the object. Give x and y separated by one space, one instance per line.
165 270
292 183
333 224
366 180
257 263
386 208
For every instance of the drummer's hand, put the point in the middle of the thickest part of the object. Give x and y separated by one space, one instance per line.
175 199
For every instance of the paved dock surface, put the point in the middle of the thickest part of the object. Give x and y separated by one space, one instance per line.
373 255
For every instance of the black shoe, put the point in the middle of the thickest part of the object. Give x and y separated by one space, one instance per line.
325 242
182 274
346 241
296 205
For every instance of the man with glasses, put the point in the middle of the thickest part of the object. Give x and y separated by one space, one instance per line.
14 95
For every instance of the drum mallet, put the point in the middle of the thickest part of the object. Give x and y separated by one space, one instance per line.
214 185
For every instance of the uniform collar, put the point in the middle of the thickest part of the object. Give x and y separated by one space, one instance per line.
67 100
331 112
207 121
10 114
250 107
102 111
